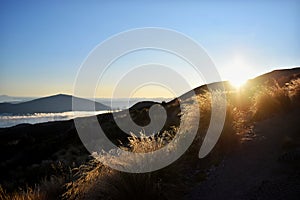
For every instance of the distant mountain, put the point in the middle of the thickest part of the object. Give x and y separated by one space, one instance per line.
50 104
11 99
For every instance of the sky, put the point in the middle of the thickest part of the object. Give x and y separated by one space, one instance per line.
44 43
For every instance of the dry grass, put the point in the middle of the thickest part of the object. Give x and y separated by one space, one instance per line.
46 190
98 181
102 182
270 100
294 91
273 99
29 194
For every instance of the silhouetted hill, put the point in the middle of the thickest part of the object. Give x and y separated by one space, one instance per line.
281 76
143 104
50 104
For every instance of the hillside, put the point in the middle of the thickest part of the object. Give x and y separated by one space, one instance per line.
50 104
256 157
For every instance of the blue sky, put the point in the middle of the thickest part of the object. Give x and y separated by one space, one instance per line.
43 43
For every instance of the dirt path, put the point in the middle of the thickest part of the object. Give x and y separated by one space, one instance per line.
254 169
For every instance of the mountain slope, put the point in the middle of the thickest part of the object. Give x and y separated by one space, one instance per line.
50 104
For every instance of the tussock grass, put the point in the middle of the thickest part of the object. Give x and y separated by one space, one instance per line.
48 189
99 181
294 91
273 99
270 100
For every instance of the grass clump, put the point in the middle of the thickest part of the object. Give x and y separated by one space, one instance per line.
48 189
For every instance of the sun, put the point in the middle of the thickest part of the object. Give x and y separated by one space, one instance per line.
238 82
238 76
239 70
